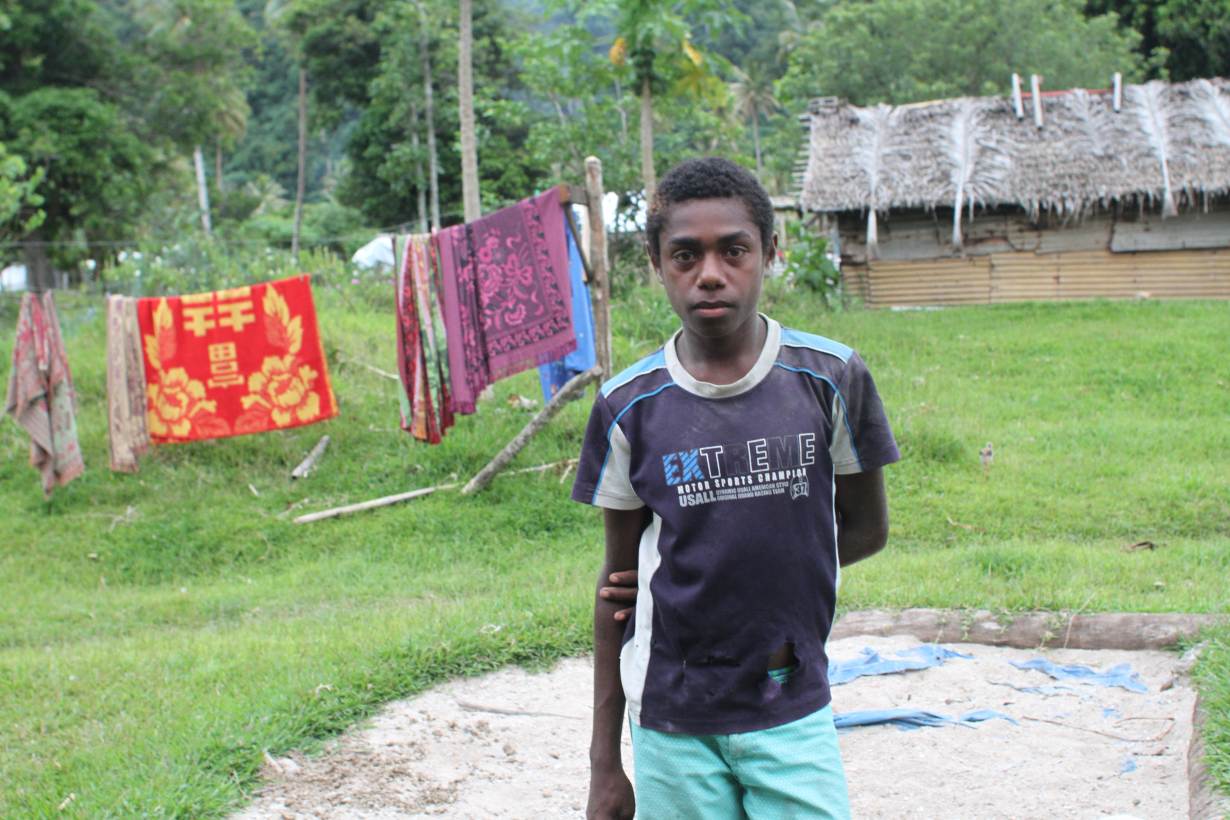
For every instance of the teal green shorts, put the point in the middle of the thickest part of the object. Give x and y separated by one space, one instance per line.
789 771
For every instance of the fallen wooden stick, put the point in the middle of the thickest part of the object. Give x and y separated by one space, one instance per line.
1111 735
372 368
385 501
569 391
370 505
496 710
308 464
567 464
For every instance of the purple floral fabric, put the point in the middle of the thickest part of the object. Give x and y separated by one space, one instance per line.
507 298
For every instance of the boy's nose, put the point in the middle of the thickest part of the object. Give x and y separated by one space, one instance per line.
711 272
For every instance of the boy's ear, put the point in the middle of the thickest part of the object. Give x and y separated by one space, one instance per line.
770 251
655 261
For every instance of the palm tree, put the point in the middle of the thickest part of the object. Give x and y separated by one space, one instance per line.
270 196
301 179
465 101
231 120
647 28
278 14
753 93
202 189
433 157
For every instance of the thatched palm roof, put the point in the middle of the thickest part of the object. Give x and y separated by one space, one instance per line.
1168 143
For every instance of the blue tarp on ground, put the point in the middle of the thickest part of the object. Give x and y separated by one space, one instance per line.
1050 690
908 719
1121 675
872 663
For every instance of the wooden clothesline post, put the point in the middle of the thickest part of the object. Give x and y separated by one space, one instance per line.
574 388
596 268
597 265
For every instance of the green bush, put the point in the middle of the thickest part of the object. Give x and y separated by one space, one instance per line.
808 264
196 264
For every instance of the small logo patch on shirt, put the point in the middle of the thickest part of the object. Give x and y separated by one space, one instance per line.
799 488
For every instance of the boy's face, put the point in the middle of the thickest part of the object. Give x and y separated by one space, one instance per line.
712 264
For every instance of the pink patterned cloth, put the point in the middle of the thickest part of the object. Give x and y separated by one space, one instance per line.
40 395
426 407
126 388
507 298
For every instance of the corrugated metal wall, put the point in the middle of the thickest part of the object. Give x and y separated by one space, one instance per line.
1011 277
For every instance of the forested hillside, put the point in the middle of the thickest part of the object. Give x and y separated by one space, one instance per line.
125 122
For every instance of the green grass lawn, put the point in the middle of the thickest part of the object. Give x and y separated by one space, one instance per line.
159 631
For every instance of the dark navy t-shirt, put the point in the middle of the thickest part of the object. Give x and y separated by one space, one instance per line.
740 555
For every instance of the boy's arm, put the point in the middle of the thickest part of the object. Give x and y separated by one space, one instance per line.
610 792
621 591
862 515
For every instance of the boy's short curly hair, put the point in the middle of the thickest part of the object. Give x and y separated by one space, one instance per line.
708 178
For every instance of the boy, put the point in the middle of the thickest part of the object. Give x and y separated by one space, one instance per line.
734 466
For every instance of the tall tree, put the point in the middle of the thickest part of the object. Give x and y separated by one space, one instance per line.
465 107
315 43
230 122
581 102
82 156
19 198
95 173
365 61
429 110
202 188
911 50
753 93
195 97
654 36
301 174
1180 39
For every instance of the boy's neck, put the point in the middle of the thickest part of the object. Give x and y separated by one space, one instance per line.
722 359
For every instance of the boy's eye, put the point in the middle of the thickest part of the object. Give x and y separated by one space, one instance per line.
736 251
683 256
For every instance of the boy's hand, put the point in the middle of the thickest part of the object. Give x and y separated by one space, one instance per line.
622 590
610 796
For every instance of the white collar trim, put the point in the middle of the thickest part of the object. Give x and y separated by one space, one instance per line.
753 377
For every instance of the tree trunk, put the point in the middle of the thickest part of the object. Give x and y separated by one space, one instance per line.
647 172
465 97
301 182
420 184
623 115
756 144
39 275
218 166
429 106
648 176
202 188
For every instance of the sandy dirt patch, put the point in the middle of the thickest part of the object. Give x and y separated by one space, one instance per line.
513 744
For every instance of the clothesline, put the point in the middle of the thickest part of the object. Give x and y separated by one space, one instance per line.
212 239
576 196
475 303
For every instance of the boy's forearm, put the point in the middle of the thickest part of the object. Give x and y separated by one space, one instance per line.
862 515
604 751
854 543
622 530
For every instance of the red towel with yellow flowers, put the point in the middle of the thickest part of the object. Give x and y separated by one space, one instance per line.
231 362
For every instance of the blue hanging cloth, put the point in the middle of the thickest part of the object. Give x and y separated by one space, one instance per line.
556 374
